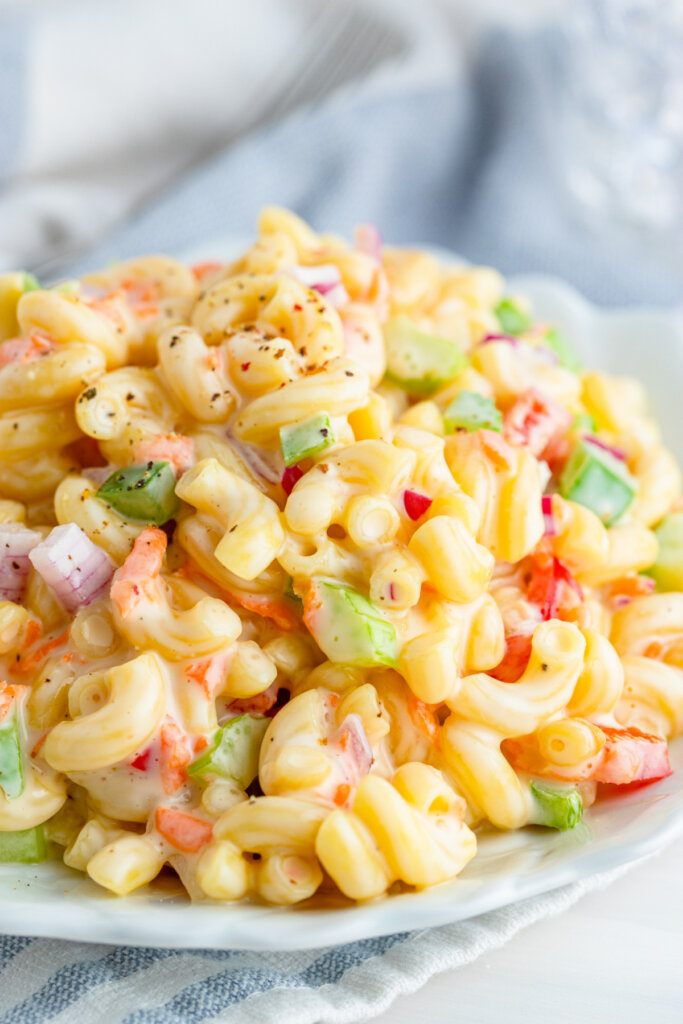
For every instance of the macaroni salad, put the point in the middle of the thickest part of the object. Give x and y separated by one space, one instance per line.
313 563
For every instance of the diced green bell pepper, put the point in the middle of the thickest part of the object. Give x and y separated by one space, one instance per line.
555 806
348 628
145 493
667 570
27 846
566 355
12 287
234 752
584 423
512 318
307 438
11 769
472 411
595 478
419 362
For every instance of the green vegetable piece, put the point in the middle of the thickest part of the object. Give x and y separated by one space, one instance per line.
11 768
72 286
584 423
27 846
667 570
417 361
12 287
307 438
555 806
234 752
563 349
472 411
512 317
595 478
348 628
145 493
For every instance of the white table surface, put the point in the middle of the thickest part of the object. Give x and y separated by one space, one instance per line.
616 957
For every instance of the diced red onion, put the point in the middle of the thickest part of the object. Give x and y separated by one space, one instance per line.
336 296
543 355
548 517
368 239
618 453
322 278
16 542
509 338
77 570
354 743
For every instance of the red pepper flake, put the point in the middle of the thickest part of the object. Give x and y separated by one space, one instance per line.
244 367
290 477
416 504
298 308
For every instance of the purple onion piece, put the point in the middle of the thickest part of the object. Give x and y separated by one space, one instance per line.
75 569
618 453
16 542
356 744
322 278
509 338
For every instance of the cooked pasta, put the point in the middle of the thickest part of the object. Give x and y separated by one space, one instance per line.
314 563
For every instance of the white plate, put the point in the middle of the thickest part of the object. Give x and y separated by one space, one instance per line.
51 900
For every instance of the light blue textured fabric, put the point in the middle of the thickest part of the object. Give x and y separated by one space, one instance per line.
470 166
13 37
474 166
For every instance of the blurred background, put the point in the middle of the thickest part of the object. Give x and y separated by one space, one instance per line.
536 136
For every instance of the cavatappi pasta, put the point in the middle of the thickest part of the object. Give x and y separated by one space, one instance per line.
313 564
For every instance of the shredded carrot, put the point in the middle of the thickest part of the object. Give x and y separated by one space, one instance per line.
200 270
38 745
209 673
276 609
175 756
183 831
174 448
8 694
423 717
498 450
201 743
26 665
135 581
342 794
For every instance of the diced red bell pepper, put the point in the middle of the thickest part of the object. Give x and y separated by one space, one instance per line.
553 588
632 756
628 756
290 477
416 504
515 659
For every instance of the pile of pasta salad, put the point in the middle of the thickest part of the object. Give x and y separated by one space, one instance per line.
314 563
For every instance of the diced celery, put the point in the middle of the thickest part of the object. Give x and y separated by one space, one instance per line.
307 438
559 807
472 411
564 351
667 570
348 628
597 479
11 769
512 318
234 752
417 361
27 846
145 493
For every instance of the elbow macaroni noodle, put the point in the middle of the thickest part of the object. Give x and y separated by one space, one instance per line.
490 630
